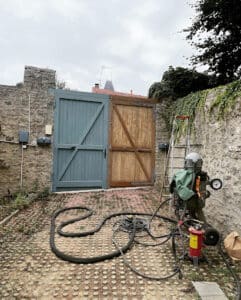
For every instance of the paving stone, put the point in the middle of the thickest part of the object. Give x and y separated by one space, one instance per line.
30 270
209 290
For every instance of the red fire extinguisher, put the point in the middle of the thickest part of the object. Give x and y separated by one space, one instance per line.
195 242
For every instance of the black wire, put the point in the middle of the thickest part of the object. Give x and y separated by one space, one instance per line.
142 225
81 260
158 278
155 236
167 236
127 224
131 226
124 225
235 276
158 208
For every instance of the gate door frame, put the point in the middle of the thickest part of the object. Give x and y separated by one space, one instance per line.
103 108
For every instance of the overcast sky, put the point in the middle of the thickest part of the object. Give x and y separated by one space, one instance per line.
85 41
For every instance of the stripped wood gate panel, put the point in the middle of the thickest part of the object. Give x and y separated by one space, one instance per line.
132 142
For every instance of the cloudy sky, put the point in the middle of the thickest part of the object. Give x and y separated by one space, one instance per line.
87 41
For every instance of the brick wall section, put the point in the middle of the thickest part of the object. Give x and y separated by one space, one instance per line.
27 106
221 152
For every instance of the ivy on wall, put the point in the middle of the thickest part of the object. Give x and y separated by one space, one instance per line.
188 106
226 97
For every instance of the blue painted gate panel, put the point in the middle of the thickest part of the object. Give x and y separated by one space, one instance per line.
80 140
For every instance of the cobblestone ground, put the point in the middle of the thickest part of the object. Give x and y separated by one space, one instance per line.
29 270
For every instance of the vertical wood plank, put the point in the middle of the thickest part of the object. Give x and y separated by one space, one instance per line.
132 143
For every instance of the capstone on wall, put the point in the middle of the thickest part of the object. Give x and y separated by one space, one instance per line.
220 147
27 106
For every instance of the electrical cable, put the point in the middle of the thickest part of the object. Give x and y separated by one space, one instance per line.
178 261
81 260
157 278
158 208
177 268
167 236
235 276
141 225
130 225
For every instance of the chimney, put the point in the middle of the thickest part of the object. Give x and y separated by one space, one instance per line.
97 86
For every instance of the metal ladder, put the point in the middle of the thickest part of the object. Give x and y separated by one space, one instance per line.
172 155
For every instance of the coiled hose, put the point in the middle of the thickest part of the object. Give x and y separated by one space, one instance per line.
81 260
132 226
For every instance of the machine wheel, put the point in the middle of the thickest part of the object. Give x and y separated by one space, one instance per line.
211 237
216 184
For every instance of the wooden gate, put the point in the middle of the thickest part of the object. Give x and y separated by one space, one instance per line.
132 142
80 140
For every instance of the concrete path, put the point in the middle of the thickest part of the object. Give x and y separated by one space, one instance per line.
29 270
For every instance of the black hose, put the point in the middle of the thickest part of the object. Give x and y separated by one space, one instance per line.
159 207
235 276
81 260
130 226
179 260
143 226
154 237
156 278
166 236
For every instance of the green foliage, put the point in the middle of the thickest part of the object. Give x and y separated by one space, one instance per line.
226 98
179 82
156 91
216 33
189 106
21 201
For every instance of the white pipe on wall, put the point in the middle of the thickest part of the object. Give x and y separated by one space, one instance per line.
21 169
29 115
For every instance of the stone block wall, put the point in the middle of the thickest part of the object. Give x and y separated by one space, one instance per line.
162 137
220 147
221 153
27 106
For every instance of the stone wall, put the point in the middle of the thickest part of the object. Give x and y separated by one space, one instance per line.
162 137
27 106
220 142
